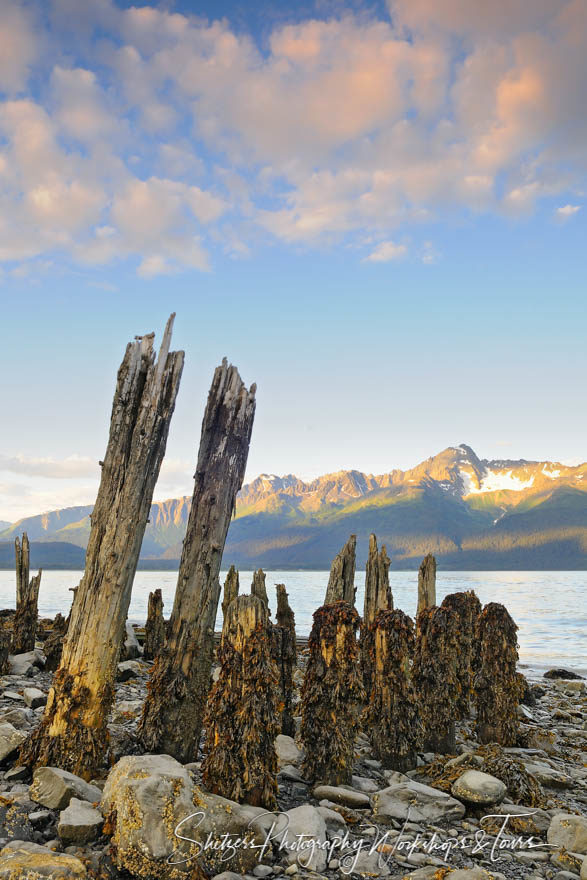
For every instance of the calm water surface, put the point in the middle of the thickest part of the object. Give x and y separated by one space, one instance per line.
550 607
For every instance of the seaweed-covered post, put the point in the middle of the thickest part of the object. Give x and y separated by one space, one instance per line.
377 598
154 627
434 674
27 600
231 588
4 649
496 682
241 718
332 695
465 608
427 583
285 655
391 715
174 708
341 583
53 646
73 733
258 587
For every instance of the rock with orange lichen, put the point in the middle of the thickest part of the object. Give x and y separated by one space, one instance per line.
20 860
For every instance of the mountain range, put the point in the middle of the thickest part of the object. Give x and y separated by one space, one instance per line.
470 512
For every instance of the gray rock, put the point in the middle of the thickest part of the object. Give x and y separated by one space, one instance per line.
22 664
54 788
570 687
288 771
18 716
568 831
227 875
367 864
10 740
33 697
307 821
24 860
287 751
16 774
547 776
363 783
339 795
127 708
540 818
335 823
416 802
131 649
79 822
128 669
40 817
263 871
14 696
475 787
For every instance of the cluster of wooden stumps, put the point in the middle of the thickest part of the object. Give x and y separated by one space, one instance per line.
405 683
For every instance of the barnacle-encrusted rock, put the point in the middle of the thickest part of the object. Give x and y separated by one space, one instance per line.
21 860
466 608
283 640
332 695
377 598
523 787
154 627
476 787
341 583
497 689
242 719
391 716
435 677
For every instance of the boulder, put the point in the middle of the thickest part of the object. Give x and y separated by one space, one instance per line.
125 709
33 697
562 673
363 783
287 751
538 820
10 740
569 831
546 775
149 800
20 860
335 823
304 840
367 864
79 823
416 802
338 795
475 787
24 664
54 788
127 670
131 648
570 687
16 774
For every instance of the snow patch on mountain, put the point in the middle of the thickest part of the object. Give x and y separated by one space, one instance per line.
554 474
495 481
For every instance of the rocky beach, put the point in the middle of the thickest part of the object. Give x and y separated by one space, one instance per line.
484 812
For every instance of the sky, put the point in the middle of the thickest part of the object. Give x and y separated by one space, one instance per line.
375 210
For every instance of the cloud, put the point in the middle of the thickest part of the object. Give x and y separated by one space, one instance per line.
171 135
387 251
72 467
566 211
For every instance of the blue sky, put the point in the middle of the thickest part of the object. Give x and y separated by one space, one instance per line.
376 212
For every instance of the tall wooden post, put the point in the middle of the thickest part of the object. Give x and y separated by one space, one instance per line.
285 655
434 674
53 646
241 718
377 598
427 583
391 715
332 695
465 608
173 711
341 583
258 587
154 627
497 689
27 600
231 588
73 733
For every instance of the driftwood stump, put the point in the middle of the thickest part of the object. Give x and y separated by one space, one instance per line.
341 583
231 588
466 609
377 598
24 627
434 674
258 587
285 656
392 716
5 639
174 708
241 719
427 583
53 646
497 688
155 626
73 733
332 695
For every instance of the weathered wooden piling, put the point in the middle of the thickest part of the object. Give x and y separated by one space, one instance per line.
24 627
242 720
341 583
5 639
466 609
392 716
332 695
434 674
258 587
154 627
497 689
53 646
73 733
377 598
174 708
283 638
427 583
231 588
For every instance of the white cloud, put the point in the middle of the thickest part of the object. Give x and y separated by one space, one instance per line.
72 467
387 251
566 211
18 46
